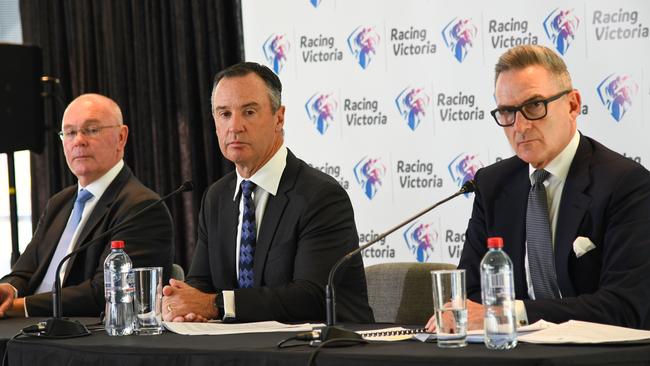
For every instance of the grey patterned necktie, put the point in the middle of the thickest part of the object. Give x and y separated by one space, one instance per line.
539 240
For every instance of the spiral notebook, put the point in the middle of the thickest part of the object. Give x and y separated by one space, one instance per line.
393 334
420 334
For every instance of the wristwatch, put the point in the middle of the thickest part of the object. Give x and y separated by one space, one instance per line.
218 304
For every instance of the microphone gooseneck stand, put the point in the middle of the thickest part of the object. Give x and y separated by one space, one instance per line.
330 331
59 327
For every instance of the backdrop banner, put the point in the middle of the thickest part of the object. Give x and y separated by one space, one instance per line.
392 98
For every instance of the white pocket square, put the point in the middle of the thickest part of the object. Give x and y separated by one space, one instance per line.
582 245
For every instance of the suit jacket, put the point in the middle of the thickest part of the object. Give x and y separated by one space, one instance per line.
306 228
148 241
606 198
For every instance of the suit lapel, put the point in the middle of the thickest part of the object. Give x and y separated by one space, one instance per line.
512 202
229 215
100 210
273 213
53 234
573 206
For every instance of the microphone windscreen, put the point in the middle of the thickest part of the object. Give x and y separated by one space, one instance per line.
469 186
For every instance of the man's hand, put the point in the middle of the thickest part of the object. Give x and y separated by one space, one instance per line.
10 306
184 303
6 299
475 314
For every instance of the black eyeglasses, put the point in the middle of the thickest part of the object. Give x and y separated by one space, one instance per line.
533 110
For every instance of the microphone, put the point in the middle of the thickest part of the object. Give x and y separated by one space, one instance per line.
59 327
330 298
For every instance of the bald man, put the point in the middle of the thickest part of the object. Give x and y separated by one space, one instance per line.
93 137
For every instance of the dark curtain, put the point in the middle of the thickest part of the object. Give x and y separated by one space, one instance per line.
156 59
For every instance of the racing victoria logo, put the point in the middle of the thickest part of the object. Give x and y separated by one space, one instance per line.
363 42
320 110
411 104
616 92
419 238
459 35
369 173
276 48
463 168
560 27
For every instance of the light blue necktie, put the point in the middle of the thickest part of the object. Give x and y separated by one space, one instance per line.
248 236
539 240
64 242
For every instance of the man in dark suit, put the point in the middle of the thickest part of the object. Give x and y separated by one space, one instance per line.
270 231
107 193
587 257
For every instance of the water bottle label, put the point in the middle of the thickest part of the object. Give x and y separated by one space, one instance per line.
496 281
107 284
130 281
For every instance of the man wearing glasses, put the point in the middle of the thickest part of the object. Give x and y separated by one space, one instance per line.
93 137
574 215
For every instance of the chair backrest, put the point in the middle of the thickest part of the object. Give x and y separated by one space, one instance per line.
177 272
401 293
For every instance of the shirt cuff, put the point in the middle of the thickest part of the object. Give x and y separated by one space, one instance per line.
25 307
15 290
520 313
16 296
228 305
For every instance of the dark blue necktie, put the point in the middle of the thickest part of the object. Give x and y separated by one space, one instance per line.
539 240
248 236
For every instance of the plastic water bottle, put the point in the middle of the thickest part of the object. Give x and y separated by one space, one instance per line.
119 291
498 293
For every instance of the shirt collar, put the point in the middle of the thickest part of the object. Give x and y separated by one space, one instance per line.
98 187
559 166
268 176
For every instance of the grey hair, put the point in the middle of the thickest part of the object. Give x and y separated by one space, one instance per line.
520 57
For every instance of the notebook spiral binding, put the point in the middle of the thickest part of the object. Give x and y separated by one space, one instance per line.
388 333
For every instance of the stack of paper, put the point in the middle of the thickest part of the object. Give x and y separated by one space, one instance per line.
579 332
218 328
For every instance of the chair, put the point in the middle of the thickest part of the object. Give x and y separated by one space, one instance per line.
177 272
401 293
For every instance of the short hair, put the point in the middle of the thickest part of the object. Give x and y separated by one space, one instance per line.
272 81
520 57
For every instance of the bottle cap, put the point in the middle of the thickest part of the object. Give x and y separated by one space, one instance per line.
117 244
495 242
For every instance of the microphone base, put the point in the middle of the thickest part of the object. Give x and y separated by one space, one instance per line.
342 336
57 328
